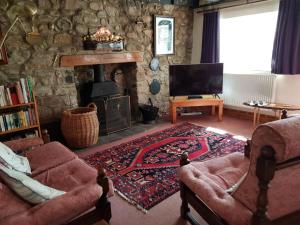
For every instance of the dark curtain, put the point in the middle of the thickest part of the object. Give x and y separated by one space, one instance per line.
211 38
286 49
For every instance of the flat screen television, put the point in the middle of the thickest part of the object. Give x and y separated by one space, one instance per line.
196 79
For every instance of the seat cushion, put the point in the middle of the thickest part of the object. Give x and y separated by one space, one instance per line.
48 156
10 203
210 179
68 175
27 188
223 171
58 210
77 179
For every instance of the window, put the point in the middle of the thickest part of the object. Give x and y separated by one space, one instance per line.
246 39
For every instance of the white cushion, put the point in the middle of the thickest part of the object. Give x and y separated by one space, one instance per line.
26 187
13 161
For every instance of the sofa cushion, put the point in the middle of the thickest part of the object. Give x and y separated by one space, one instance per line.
210 179
48 156
59 210
12 160
10 203
223 171
68 175
26 187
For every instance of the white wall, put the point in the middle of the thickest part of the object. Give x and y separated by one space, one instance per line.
197 37
287 89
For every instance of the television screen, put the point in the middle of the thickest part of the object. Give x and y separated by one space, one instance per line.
196 79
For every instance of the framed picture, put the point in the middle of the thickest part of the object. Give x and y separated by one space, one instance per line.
164 35
3 55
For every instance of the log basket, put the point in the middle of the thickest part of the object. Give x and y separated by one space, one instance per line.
80 126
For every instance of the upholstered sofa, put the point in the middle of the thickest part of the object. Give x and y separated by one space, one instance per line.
258 188
56 166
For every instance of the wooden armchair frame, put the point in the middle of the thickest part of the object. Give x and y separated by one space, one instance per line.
265 169
102 208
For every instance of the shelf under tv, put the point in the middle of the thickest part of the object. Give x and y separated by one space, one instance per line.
185 102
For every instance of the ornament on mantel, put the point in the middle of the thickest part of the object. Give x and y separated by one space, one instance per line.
103 38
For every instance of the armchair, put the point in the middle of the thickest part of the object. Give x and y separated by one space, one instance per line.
85 200
240 190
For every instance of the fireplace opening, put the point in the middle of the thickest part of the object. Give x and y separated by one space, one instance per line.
113 107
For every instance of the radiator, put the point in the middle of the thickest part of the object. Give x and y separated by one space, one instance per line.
241 88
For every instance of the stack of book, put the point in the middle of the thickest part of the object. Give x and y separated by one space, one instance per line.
22 118
16 93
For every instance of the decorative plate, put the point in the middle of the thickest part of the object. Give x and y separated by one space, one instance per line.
154 64
155 87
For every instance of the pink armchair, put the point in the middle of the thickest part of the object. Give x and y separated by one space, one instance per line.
85 200
236 190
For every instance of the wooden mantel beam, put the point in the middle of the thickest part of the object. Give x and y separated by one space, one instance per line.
93 57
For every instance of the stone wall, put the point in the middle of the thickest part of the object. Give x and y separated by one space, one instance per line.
63 22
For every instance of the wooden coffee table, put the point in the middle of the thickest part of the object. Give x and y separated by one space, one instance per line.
279 108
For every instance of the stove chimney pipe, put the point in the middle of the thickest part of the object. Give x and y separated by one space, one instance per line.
98 73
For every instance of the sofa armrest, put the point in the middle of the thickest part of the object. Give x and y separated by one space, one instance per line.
25 143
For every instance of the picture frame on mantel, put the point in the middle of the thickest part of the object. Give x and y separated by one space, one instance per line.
164 35
3 54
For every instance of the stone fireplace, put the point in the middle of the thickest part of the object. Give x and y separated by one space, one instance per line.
108 80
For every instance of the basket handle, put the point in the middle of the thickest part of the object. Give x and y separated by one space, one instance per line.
67 112
92 105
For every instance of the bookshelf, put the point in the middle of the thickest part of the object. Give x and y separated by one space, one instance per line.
18 111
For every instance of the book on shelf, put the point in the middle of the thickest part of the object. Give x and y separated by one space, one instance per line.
16 93
24 90
2 124
8 96
2 97
20 119
29 82
19 92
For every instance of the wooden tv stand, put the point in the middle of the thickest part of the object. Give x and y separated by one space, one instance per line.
174 103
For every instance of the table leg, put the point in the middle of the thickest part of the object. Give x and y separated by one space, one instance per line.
254 116
258 115
213 110
173 114
220 112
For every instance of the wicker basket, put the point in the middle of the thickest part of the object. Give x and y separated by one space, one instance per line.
80 126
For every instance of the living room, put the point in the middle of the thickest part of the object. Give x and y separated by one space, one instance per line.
110 84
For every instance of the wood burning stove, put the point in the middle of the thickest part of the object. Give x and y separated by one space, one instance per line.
113 109
113 113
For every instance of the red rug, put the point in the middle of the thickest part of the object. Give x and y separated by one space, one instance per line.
144 170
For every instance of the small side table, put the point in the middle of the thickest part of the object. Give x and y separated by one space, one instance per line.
279 108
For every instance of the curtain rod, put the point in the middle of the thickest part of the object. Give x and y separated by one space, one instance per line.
214 7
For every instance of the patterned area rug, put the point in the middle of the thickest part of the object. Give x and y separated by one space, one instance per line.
144 170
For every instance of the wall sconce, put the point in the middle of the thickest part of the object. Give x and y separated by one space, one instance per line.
16 12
